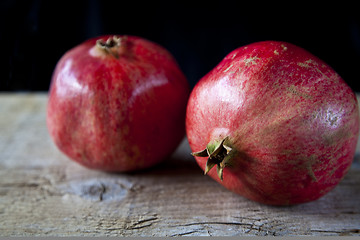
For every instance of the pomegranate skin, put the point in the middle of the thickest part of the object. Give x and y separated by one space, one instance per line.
291 119
117 108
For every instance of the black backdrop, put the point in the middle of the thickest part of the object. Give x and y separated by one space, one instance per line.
34 34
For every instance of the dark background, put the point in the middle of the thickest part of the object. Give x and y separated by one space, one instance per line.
34 34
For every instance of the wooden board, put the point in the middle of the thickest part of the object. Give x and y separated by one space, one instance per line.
42 193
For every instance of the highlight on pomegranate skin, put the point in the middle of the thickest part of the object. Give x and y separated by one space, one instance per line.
273 123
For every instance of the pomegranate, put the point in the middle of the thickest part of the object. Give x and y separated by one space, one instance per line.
279 124
117 103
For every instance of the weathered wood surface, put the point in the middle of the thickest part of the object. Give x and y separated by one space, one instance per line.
42 193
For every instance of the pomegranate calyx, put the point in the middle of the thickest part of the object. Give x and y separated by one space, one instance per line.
219 153
113 45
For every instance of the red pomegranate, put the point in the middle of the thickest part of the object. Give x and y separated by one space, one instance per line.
279 124
117 103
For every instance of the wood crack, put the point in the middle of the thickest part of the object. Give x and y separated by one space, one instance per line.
183 234
214 223
20 185
145 220
340 232
143 223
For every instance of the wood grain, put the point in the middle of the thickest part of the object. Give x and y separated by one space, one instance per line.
42 193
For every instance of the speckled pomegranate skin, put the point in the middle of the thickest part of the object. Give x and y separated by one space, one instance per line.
291 118
117 112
